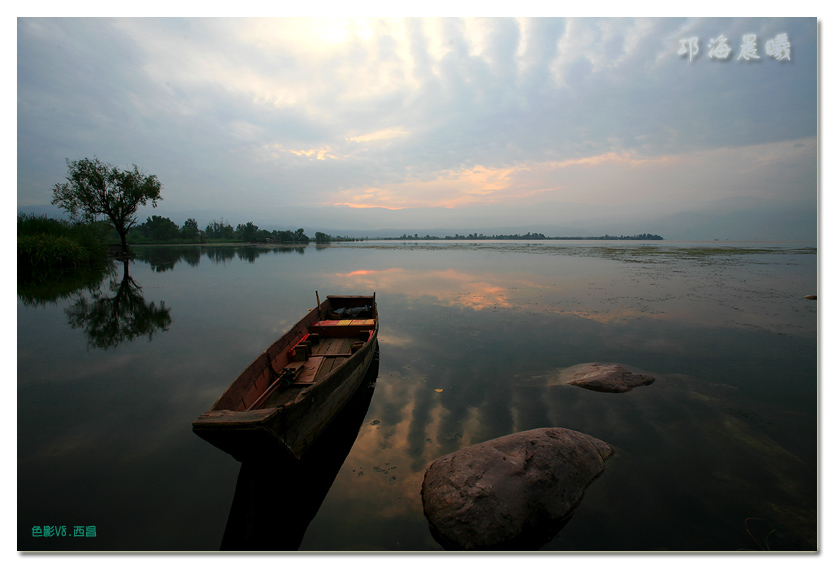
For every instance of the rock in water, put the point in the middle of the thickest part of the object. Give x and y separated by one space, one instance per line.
607 378
510 493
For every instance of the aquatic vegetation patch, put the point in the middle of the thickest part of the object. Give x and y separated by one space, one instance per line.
51 243
648 254
653 252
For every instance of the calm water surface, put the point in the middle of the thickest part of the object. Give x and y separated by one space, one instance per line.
720 453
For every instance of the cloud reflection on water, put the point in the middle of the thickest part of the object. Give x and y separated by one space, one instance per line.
699 292
656 313
648 427
449 287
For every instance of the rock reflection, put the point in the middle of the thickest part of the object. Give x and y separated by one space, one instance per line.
532 540
109 320
275 500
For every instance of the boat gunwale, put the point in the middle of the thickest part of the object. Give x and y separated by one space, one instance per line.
239 419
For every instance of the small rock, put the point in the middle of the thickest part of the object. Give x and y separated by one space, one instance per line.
511 493
612 378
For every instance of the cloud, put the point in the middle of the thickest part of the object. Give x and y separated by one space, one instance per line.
380 135
397 113
448 189
758 170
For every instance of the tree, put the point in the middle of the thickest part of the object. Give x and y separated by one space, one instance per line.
247 232
95 189
219 230
159 228
300 236
190 229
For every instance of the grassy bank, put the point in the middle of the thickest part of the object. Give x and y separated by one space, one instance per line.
53 243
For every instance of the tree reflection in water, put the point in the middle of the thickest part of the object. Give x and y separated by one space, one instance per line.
41 287
121 315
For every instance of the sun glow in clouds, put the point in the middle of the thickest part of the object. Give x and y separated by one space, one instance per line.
380 135
482 185
333 31
610 177
449 189
312 154
318 154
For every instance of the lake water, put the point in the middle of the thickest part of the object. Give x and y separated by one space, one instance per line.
719 454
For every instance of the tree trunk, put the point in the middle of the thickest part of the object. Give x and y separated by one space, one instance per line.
124 248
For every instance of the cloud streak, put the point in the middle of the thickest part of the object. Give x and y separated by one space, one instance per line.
409 113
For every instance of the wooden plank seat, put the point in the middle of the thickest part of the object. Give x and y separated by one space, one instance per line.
308 371
304 371
332 345
342 327
322 350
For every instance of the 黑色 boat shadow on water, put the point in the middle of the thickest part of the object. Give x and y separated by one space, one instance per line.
300 390
259 518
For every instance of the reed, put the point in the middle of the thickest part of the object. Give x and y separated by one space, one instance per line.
52 243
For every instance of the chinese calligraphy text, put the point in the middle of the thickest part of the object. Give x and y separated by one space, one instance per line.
778 48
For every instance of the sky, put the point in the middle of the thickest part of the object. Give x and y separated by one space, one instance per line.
569 126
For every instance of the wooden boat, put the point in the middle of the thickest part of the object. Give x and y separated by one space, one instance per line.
285 399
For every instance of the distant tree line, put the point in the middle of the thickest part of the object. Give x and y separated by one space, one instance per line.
533 237
164 230
640 237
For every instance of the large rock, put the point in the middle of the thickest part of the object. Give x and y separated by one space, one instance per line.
510 493
602 377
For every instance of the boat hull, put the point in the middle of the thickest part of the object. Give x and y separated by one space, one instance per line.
289 429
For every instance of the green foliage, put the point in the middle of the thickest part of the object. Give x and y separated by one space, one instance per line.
44 242
247 232
46 250
219 230
40 225
95 189
157 228
284 236
190 230
289 236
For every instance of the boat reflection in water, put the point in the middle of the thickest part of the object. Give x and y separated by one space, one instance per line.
276 499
